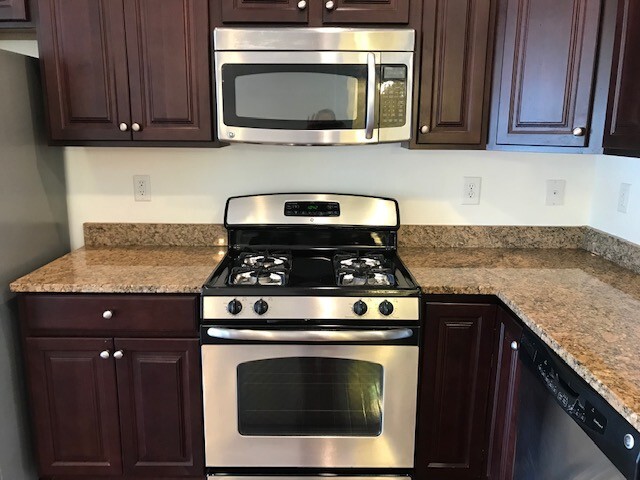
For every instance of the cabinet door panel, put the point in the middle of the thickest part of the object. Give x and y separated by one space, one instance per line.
168 45
366 11
455 388
548 72
504 410
14 10
82 49
160 406
456 37
74 406
263 11
623 113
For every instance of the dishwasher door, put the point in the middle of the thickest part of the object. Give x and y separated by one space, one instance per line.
566 431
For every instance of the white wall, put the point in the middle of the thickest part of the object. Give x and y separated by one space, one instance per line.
23 43
610 172
191 185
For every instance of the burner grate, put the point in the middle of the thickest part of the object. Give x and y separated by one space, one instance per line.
354 269
260 268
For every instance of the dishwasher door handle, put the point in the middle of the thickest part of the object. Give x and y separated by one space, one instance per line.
309 335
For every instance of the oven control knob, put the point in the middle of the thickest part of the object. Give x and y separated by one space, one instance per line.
260 307
234 307
386 308
359 308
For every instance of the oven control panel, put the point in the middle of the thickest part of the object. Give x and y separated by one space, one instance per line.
317 308
312 209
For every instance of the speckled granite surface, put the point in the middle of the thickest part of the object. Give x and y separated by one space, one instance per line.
125 270
445 236
154 234
585 308
625 254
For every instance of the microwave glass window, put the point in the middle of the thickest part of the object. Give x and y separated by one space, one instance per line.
310 396
298 97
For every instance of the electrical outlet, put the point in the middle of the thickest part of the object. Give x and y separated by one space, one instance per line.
142 188
555 192
471 190
623 197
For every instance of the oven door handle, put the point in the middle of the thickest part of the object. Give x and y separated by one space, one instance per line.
371 95
310 335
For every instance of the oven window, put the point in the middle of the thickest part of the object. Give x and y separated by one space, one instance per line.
310 396
295 97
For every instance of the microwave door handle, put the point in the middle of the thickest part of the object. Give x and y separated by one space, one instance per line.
309 335
371 95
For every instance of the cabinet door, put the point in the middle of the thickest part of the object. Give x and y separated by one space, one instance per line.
454 63
455 388
168 52
502 437
264 11
365 11
83 53
74 406
623 112
13 10
548 65
160 407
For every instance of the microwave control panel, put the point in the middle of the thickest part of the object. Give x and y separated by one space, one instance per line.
393 96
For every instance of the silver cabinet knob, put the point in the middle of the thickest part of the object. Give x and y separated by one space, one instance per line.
514 346
629 441
123 127
579 131
107 314
136 127
105 354
302 4
329 5
424 129
118 354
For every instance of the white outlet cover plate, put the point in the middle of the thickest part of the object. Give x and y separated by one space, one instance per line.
142 188
555 192
471 190
623 197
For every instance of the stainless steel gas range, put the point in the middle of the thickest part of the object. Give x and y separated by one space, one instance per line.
310 338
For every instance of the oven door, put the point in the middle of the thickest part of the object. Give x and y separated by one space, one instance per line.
340 398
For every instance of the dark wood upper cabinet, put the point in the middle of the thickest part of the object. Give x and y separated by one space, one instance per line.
365 11
126 69
547 50
623 112
456 40
168 54
312 12
74 406
13 10
504 407
160 407
451 438
264 11
83 53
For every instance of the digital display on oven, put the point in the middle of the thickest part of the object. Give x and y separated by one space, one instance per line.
312 209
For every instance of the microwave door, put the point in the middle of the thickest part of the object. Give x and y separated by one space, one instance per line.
315 98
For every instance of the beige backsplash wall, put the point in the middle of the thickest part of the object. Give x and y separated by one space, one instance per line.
192 185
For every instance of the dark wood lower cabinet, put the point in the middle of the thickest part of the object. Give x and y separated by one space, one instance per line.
74 406
452 419
504 407
160 406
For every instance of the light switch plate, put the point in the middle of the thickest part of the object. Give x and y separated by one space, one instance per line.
555 192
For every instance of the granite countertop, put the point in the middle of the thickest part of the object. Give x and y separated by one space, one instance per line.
585 308
135 269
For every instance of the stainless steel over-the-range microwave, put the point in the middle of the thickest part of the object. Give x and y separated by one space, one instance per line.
313 86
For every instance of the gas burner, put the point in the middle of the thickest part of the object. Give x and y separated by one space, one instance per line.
371 269
373 278
264 260
250 276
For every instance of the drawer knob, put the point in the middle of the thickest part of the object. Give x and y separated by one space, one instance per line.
105 354
123 127
118 354
136 127
424 129
107 314
330 5
302 4
514 345
579 131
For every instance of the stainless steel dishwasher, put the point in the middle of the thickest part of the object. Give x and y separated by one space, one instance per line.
566 430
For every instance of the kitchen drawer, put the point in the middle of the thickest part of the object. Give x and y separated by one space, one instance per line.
131 315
